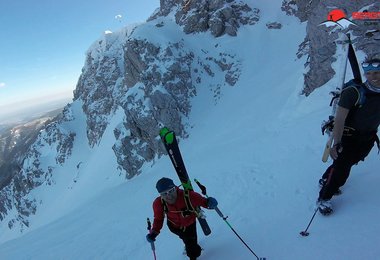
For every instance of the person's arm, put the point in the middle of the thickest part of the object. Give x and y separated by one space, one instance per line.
340 118
159 216
199 200
158 222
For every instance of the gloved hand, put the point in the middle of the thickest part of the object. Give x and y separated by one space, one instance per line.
151 237
336 150
212 203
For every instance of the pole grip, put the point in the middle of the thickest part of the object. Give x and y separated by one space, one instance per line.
219 212
149 224
149 228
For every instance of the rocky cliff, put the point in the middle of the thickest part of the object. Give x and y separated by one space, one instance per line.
55 142
321 43
151 83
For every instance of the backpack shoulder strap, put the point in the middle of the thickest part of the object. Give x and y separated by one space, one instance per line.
165 206
189 206
363 93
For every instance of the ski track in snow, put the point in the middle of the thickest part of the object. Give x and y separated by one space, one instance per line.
257 151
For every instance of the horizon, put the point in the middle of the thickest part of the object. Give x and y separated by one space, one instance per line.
21 111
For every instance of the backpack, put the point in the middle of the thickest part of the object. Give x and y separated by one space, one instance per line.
328 125
360 88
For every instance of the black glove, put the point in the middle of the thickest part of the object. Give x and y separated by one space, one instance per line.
151 237
212 203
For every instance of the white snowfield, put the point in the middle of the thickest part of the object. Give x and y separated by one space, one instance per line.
257 150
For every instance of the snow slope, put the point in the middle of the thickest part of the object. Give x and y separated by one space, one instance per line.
258 150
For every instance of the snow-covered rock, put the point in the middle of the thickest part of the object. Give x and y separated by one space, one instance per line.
321 45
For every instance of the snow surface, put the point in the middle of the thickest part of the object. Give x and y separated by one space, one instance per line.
258 151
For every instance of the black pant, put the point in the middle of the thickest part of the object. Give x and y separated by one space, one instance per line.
189 237
355 149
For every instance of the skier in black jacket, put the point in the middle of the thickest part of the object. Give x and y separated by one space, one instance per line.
354 133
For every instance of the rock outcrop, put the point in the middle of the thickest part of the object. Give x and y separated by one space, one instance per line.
321 43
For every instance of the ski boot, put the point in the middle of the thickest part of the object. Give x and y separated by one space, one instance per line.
324 207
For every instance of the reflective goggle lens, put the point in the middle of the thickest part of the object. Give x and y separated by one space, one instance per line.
168 192
371 64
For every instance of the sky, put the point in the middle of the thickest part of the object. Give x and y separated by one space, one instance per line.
43 44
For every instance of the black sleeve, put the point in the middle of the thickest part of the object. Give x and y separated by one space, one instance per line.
349 97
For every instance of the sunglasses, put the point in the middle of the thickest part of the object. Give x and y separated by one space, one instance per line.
168 192
371 66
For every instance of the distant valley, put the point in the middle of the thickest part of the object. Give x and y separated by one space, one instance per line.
15 140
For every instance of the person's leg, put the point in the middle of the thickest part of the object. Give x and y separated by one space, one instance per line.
355 149
336 176
189 238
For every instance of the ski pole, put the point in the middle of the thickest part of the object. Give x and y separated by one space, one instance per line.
204 192
152 243
305 233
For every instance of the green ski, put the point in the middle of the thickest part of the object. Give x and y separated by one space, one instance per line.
171 145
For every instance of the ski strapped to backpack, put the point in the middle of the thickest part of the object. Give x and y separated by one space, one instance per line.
353 61
171 145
